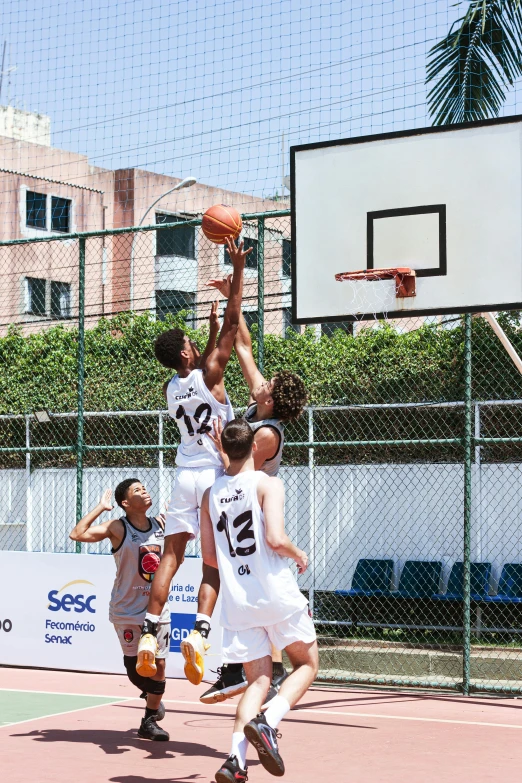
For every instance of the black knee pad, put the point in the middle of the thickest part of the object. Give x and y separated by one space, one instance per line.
156 687
142 683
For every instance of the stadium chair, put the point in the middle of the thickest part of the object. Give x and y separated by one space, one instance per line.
509 586
480 575
371 577
419 579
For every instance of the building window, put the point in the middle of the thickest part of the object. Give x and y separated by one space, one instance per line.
329 329
288 323
35 290
35 210
60 300
251 318
178 241
174 302
60 214
287 257
251 259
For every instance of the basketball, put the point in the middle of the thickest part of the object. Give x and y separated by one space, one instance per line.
150 563
221 221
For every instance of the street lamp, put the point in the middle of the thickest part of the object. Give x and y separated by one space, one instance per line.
185 183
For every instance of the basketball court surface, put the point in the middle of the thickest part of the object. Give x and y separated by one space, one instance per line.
63 726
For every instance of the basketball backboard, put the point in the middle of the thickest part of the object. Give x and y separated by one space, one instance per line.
446 202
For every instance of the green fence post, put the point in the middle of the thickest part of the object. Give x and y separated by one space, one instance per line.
261 294
468 456
81 385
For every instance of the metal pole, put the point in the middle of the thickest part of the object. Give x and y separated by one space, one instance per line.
81 385
468 456
261 294
28 488
311 485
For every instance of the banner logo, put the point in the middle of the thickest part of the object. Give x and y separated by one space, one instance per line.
69 602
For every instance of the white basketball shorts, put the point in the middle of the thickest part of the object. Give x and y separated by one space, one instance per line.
185 500
129 636
254 643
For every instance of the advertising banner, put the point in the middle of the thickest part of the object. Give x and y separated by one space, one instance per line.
54 613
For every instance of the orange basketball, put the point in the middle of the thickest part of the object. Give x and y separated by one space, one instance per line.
221 221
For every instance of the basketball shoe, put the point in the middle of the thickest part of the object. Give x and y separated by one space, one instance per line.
264 739
231 772
193 649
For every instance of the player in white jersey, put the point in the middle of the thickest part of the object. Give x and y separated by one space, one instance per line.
242 533
272 404
137 546
196 400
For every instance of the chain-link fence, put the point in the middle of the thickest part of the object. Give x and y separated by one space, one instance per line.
403 476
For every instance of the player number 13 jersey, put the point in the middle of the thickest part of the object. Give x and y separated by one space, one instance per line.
257 586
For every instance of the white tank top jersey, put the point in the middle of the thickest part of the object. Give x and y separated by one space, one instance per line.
195 410
257 586
137 560
270 466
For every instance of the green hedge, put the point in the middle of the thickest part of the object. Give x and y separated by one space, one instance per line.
380 365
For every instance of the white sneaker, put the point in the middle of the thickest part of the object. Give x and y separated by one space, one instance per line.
193 649
147 649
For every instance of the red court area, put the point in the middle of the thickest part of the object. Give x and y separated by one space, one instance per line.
335 734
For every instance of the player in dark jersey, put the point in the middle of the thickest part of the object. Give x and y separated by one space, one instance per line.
137 546
272 403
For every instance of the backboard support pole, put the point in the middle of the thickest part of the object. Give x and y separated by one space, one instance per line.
502 336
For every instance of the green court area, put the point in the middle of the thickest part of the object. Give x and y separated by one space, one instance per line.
18 706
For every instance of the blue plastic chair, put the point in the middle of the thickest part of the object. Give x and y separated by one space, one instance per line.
480 574
509 586
371 577
419 579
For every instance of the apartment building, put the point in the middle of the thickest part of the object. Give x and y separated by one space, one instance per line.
46 192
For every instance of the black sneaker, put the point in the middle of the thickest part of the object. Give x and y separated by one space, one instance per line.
264 739
231 772
275 685
150 730
230 683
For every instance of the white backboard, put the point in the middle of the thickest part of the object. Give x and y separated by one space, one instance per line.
446 202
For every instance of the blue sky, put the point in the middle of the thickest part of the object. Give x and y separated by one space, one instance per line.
208 88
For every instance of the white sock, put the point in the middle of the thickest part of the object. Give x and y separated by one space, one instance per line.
276 711
239 748
154 618
204 617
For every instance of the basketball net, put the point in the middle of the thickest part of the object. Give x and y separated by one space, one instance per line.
377 291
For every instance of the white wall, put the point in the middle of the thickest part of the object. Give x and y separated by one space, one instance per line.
397 511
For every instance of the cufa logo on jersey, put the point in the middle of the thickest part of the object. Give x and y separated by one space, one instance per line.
149 560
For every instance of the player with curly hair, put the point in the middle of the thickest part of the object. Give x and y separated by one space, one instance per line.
272 404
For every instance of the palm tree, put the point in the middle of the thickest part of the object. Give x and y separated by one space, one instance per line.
473 67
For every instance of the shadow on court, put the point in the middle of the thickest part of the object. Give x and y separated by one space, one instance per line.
140 779
118 742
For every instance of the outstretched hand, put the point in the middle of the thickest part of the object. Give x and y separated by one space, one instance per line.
216 437
221 285
237 254
106 501
213 318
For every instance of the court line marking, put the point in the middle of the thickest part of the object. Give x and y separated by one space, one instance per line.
57 714
224 705
371 715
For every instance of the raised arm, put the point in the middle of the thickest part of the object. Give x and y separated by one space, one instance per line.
213 321
218 358
112 530
271 495
208 545
243 341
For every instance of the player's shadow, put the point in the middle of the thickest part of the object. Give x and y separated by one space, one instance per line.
140 779
117 742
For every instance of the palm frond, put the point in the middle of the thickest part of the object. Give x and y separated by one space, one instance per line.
476 63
